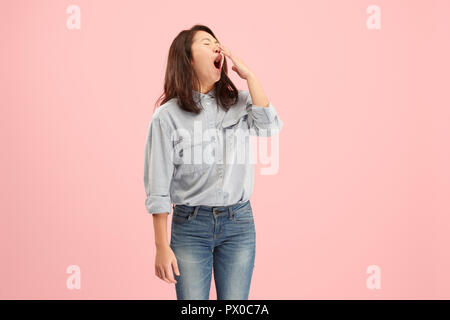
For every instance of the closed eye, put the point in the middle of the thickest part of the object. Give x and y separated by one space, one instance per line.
207 43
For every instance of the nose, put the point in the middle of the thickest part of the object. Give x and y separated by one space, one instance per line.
217 49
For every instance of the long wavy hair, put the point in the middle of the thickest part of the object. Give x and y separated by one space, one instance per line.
180 78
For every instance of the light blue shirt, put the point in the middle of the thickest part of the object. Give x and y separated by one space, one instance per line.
205 158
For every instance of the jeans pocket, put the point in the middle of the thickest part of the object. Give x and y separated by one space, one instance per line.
243 215
181 215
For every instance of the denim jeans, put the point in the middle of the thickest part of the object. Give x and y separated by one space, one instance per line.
207 238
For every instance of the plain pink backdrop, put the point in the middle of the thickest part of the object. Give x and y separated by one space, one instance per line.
364 174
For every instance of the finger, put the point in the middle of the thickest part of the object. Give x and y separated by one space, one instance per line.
158 273
224 50
175 267
169 274
227 55
165 275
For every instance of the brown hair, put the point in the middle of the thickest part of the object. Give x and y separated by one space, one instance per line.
180 76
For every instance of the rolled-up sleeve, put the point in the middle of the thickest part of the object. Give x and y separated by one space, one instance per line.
158 167
263 121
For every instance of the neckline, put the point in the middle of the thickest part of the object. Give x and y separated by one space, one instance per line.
210 93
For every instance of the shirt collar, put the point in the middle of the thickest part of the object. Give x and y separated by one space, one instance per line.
210 94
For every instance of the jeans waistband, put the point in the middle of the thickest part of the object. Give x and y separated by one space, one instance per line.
212 209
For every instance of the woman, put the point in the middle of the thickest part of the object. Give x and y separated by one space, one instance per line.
187 166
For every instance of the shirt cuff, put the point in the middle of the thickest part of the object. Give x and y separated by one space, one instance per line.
158 204
264 114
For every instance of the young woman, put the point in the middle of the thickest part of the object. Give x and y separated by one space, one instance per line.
201 126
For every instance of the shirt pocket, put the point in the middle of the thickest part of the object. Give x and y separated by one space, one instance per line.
190 157
235 120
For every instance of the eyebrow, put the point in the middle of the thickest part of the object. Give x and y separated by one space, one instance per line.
209 40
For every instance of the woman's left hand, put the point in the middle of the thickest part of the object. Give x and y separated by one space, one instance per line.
239 67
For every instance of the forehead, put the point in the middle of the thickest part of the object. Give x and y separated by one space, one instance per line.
200 35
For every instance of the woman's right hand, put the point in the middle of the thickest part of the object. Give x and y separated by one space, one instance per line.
165 259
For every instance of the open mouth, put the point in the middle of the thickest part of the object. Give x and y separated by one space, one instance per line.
218 62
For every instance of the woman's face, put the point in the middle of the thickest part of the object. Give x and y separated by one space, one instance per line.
205 50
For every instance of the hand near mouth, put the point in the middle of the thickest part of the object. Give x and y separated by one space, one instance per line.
239 67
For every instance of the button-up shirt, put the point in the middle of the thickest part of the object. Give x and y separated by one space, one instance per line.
205 158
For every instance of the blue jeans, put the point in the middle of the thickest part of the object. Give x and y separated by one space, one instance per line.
220 238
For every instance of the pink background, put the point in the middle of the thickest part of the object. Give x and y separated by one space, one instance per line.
364 174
